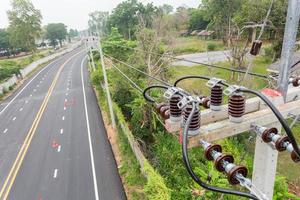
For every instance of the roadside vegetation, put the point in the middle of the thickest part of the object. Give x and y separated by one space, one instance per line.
157 31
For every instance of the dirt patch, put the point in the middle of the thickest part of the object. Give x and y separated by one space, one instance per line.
294 189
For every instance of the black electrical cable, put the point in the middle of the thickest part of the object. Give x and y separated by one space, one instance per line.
192 173
279 117
147 97
195 62
198 77
140 71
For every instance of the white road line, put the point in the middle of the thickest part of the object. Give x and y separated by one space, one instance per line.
37 86
67 88
63 118
58 148
55 173
66 100
5 130
14 118
21 109
89 135
26 87
61 131
26 101
67 94
34 90
41 81
65 108
30 95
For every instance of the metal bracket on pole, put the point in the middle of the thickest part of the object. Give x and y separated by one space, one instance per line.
290 33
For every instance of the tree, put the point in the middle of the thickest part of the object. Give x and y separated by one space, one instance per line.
166 8
197 19
97 21
56 32
73 33
24 24
4 41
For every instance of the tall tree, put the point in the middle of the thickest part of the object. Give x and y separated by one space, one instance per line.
24 24
97 21
4 41
56 32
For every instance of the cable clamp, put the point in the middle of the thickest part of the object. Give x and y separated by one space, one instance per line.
214 81
171 91
187 100
232 89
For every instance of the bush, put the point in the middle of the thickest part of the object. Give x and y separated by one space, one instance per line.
269 53
211 46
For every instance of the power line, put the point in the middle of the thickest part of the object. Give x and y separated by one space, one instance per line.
132 67
195 62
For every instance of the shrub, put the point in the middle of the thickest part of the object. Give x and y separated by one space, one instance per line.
211 46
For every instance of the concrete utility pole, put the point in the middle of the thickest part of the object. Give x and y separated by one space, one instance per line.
113 121
290 33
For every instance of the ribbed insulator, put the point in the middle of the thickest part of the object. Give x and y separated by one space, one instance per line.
175 112
204 101
236 107
216 97
195 123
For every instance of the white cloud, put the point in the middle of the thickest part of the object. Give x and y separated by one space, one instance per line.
74 13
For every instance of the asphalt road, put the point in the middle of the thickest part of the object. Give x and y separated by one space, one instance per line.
53 144
207 58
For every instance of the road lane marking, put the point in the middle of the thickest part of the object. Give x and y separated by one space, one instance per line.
37 86
5 190
63 118
67 94
5 130
65 108
30 95
66 100
61 131
89 134
21 109
13 99
14 118
34 90
26 101
55 173
59 148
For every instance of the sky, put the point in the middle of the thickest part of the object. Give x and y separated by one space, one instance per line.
74 13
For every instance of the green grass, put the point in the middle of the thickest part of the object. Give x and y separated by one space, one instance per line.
186 45
8 67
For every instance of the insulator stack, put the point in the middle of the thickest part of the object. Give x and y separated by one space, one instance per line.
281 143
216 97
204 101
175 111
223 163
194 127
296 81
164 110
236 107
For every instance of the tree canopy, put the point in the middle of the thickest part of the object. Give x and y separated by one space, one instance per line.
24 24
56 32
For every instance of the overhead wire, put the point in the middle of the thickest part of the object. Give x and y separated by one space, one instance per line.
191 61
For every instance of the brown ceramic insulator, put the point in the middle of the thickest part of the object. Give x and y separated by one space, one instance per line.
163 111
167 114
205 101
294 157
296 82
216 95
279 144
256 45
195 122
231 175
221 159
174 110
210 148
159 106
236 105
266 134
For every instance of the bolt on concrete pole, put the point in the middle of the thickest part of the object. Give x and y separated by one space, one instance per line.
290 33
110 104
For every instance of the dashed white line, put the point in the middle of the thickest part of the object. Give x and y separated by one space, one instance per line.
26 101
63 118
61 131
67 88
55 173
34 90
37 86
65 108
66 100
20 109
67 94
58 148
14 118
30 95
5 130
